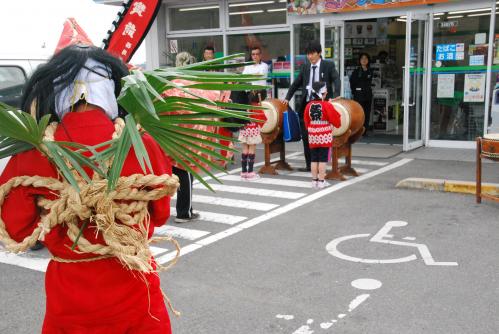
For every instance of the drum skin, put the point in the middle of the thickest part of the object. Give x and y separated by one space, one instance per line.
352 116
273 112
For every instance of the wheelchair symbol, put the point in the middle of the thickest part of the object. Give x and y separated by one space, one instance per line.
383 236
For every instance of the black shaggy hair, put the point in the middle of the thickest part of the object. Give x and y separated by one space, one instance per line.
60 71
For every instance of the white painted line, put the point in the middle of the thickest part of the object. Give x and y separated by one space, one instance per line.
326 191
301 174
184 250
215 217
219 236
157 250
272 181
357 301
233 203
179 232
34 263
302 201
253 191
3 163
305 329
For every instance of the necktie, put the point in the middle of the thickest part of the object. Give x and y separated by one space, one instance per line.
313 80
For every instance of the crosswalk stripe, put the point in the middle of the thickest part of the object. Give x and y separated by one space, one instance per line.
215 217
157 250
34 263
179 232
233 203
369 163
354 161
272 181
253 191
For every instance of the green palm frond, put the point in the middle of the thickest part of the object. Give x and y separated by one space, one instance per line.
166 118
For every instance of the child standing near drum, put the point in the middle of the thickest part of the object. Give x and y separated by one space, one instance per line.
249 136
320 117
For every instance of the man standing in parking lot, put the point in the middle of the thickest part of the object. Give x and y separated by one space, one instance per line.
317 69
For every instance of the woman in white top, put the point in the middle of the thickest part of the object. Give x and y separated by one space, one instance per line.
259 68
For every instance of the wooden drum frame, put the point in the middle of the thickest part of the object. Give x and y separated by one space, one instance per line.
273 140
486 148
342 142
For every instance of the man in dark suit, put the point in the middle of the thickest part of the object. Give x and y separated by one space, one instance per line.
317 69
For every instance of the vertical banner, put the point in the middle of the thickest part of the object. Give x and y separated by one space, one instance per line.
130 28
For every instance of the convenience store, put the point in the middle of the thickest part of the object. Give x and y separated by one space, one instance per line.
436 61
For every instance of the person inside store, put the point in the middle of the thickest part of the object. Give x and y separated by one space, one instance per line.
361 86
316 69
208 53
258 68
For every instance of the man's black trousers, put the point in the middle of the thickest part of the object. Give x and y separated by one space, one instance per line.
184 193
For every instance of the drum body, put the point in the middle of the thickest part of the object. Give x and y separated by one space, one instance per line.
490 146
352 116
272 127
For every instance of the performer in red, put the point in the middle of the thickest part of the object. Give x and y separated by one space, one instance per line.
319 117
86 293
250 136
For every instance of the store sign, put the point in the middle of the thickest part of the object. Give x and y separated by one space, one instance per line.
307 7
447 24
450 52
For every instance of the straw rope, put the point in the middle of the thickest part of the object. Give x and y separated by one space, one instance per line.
115 214
130 245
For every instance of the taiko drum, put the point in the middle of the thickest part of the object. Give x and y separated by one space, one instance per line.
352 116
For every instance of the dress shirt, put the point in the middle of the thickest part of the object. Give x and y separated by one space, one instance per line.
260 69
317 78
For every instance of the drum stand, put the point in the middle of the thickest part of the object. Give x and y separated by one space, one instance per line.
275 146
342 147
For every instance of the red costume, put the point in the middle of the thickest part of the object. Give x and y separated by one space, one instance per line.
318 117
94 297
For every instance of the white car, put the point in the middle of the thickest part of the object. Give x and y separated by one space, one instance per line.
14 72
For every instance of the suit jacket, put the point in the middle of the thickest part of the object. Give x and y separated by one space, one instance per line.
327 73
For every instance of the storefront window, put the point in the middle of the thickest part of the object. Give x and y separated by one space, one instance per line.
274 52
194 18
194 45
493 121
257 13
459 69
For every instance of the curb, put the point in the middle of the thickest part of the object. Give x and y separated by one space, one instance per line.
452 186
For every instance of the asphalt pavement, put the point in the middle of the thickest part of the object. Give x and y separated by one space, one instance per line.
361 256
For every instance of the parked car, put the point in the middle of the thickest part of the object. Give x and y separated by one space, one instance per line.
14 72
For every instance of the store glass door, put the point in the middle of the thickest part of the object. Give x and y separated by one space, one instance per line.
332 34
415 81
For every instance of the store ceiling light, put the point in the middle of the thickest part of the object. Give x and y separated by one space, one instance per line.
247 12
482 14
281 1
455 17
436 18
277 10
401 20
250 3
470 11
438 14
197 8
